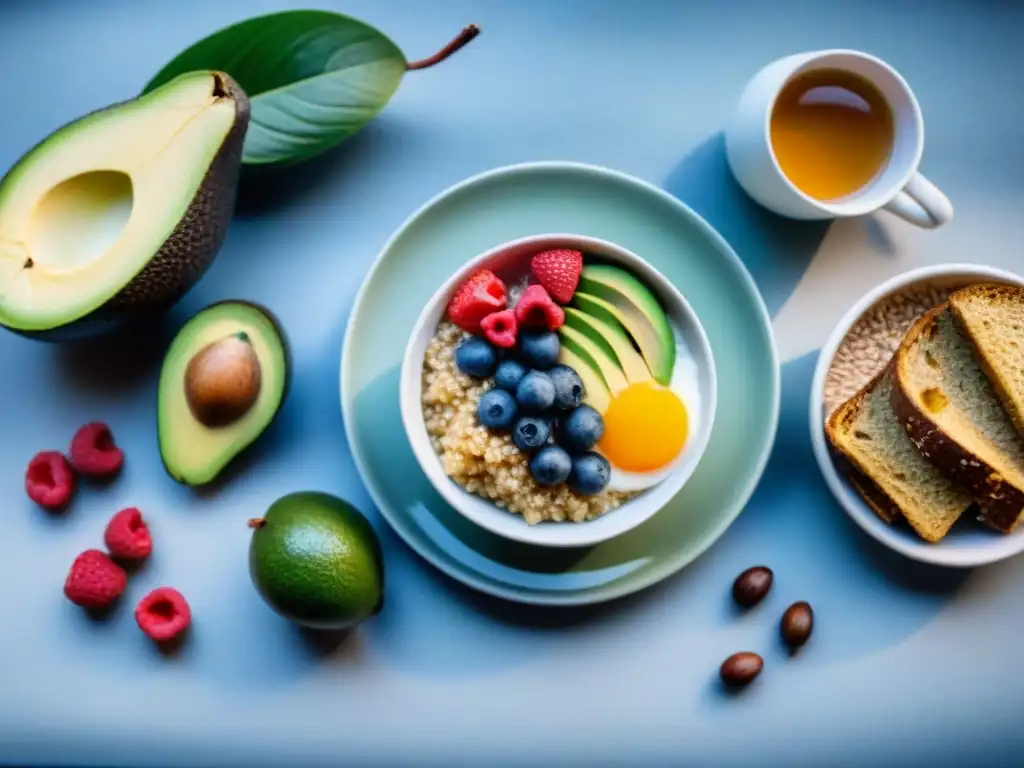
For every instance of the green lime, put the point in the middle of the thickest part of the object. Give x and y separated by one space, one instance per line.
317 561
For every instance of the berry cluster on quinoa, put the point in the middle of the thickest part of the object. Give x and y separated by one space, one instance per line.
534 397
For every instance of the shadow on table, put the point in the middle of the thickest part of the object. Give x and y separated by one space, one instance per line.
776 250
114 364
263 190
252 649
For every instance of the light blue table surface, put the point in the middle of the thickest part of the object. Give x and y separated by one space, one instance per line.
908 665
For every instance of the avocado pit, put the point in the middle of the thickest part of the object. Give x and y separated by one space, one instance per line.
222 381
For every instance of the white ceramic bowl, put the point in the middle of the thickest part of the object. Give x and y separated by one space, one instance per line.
513 258
966 545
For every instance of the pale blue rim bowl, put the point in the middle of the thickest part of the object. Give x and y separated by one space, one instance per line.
616 522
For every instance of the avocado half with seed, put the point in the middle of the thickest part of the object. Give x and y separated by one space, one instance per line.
223 381
116 215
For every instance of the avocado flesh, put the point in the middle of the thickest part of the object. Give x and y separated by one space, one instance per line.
598 359
85 212
595 391
613 339
193 453
636 308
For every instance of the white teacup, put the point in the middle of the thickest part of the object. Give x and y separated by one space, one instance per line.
897 187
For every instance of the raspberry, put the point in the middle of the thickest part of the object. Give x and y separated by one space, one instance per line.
127 536
536 310
93 451
501 328
49 480
479 296
559 272
94 581
163 614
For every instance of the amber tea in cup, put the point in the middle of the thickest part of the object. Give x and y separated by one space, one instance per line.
832 132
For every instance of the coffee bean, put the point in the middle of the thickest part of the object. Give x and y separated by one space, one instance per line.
796 625
752 585
741 668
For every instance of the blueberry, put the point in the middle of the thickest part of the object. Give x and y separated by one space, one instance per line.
551 465
590 473
530 433
568 387
496 409
475 357
535 392
539 349
508 375
581 429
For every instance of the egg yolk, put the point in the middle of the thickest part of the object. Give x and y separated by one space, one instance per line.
644 428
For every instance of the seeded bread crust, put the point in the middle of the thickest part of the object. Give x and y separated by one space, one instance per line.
880 502
992 293
841 419
1001 503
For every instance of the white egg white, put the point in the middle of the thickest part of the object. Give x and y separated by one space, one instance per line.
685 385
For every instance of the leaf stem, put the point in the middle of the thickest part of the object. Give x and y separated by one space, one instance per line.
460 40
256 522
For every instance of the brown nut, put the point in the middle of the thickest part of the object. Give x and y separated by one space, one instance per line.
752 585
797 624
222 381
741 668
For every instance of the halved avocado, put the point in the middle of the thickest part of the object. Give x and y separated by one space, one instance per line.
224 379
117 214
634 305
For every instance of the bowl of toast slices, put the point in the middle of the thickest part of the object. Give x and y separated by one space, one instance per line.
917 414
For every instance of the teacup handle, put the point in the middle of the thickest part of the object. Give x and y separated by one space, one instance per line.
921 203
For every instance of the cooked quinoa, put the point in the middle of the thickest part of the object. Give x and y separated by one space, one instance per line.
488 463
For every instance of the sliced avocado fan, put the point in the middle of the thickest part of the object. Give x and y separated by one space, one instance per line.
223 381
597 358
617 292
118 213
605 331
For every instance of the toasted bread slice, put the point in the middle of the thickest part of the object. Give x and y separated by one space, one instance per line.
991 316
885 467
954 417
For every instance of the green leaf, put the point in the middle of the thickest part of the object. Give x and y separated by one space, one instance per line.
314 78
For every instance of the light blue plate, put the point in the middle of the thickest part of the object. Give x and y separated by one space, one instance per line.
514 202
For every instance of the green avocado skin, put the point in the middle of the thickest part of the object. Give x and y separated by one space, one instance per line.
317 562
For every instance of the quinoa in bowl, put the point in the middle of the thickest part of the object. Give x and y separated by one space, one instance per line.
485 462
